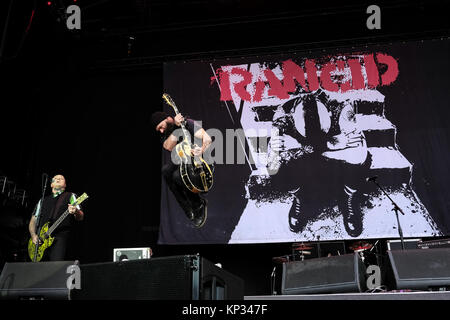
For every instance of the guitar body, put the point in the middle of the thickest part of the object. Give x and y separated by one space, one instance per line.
196 174
46 240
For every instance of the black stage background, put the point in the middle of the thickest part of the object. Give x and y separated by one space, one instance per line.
78 103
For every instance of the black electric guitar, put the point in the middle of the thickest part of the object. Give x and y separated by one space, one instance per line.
36 251
196 174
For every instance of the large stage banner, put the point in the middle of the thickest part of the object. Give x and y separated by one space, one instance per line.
319 145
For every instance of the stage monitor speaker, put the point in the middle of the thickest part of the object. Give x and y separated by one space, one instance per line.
188 277
35 280
397 244
333 274
419 269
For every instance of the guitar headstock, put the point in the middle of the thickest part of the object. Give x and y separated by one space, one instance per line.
170 101
80 199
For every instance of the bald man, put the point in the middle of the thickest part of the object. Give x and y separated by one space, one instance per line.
51 209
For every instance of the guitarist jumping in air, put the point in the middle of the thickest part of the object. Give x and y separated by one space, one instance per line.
178 176
52 208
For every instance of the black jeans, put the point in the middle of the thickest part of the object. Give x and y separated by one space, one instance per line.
57 251
187 200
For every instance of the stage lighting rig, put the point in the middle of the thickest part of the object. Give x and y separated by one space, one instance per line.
9 191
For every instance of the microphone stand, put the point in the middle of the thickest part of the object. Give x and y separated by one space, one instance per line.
396 209
272 278
44 188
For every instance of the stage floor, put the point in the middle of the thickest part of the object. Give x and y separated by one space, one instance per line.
416 295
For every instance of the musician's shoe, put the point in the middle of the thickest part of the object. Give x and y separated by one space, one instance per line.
351 211
200 214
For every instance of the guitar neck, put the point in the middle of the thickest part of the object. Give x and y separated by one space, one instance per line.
58 222
186 133
77 202
183 126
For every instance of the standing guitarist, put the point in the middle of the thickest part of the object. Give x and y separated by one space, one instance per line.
194 206
51 209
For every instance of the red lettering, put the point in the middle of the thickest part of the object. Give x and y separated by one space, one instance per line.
291 72
344 86
224 84
294 75
259 90
392 68
240 87
325 77
357 77
276 88
311 74
371 71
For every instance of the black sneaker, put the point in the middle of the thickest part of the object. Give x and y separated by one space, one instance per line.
200 214
351 212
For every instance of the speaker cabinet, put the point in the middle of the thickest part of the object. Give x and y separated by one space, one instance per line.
333 274
397 244
187 277
35 280
420 269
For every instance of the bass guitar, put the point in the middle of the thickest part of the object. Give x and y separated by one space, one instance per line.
196 173
36 251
